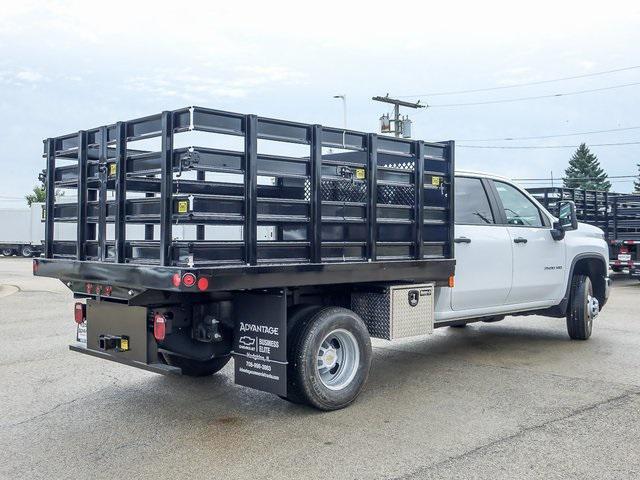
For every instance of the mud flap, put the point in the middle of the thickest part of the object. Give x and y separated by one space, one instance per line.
260 341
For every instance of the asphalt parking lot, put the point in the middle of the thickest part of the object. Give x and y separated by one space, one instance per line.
513 399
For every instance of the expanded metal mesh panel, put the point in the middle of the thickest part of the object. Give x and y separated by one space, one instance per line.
396 194
343 191
397 311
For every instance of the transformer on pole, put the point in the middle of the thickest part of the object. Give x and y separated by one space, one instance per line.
399 125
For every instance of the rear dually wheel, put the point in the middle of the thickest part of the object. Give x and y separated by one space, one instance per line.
329 359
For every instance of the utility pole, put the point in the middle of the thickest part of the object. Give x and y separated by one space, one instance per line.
344 108
399 126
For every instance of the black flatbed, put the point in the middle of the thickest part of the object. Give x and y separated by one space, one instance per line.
348 207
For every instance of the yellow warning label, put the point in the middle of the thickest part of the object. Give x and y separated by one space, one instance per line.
112 169
183 206
360 173
435 181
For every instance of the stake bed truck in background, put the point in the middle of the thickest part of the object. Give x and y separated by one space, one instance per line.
303 242
617 214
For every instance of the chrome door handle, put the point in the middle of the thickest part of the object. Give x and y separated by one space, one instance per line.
462 240
520 240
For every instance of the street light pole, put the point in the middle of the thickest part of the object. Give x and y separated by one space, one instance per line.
344 108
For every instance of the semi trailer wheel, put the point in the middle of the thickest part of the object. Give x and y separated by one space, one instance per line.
329 359
196 368
7 252
27 251
583 308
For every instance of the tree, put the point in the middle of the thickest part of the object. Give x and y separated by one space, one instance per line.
584 171
636 184
39 192
38 196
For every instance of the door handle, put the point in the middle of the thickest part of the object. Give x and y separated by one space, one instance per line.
520 240
462 240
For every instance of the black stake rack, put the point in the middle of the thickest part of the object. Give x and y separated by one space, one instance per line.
345 197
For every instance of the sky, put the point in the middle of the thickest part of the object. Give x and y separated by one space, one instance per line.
71 65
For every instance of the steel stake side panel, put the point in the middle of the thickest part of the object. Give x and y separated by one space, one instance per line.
270 193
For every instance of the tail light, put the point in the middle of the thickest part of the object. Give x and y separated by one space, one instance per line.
203 283
80 312
452 281
188 279
176 280
159 327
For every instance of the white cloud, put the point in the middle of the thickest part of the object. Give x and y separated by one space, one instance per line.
21 77
237 83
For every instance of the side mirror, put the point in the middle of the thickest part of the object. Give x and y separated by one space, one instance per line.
567 219
567 216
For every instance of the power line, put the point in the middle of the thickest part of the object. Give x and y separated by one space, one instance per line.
575 178
538 137
523 147
548 181
503 87
536 97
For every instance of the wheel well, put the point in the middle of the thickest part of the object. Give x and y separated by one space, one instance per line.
596 270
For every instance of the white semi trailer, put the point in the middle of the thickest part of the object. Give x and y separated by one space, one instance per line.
22 230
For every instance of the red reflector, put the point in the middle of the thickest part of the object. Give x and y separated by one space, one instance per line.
35 267
107 291
175 280
79 314
159 327
189 279
88 288
203 283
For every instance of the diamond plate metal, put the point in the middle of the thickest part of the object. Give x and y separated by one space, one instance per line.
389 315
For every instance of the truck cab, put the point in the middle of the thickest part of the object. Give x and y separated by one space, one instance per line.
514 257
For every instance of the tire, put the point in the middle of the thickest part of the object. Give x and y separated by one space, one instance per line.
616 269
458 325
27 251
583 308
7 252
196 368
329 359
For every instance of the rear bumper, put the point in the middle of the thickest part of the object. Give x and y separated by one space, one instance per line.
151 367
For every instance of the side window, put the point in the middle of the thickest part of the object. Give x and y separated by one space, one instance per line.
518 209
472 205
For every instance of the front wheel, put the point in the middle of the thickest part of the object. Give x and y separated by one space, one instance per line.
196 368
583 308
329 359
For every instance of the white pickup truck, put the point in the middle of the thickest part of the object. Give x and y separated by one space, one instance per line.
292 276
514 258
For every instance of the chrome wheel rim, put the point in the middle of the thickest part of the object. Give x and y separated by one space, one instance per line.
337 359
593 308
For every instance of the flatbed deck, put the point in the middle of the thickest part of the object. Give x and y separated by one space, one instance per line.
266 203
